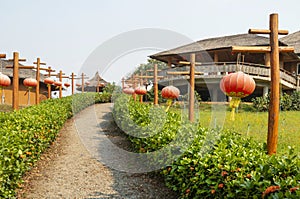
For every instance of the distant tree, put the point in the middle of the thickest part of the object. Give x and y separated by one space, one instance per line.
148 66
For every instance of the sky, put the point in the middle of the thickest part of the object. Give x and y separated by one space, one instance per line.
67 33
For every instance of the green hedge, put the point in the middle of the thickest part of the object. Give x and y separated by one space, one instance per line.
25 134
288 102
230 167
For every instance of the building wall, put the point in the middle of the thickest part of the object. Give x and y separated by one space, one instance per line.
23 96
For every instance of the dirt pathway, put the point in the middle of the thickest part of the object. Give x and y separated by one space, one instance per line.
69 168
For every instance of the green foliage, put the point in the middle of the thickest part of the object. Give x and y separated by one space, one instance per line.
25 134
288 102
149 66
218 164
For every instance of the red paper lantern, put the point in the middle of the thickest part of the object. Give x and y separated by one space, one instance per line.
4 80
48 80
30 82
78 84
141 90
170 92
87 83
67 84
57 83
237 85
128 91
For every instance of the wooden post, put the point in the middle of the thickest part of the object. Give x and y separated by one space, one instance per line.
49 70
123 82
73 82
192 87
16 81
274 50
275 87
60 79
141 84
82 81
155 85
37 89
267 59
16 67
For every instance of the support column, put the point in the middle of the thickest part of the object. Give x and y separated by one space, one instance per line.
265 91
267 59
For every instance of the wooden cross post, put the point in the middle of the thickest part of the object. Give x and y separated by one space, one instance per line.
37 89
73 82
274 51
83 76
49 70
2 55
155 82
60 76
191 74
16 68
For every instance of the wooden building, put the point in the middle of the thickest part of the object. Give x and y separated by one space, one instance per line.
95 84
216 59
6 93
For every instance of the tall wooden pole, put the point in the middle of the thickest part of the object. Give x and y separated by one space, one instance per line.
73 83
141 84
16 81
123 82
49 70
192 87
60 79
275 87
37 89
82 82
274 49
155 85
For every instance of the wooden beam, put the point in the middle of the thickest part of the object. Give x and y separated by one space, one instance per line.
183 73
260 49
149 77
21 67
189 63
262 31
2 55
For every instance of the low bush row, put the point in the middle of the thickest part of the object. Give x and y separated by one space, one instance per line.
288 102
25 134
216 164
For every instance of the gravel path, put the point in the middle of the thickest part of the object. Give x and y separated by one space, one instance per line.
71 167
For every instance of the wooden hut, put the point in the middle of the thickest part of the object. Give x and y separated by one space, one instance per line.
217 59
95 84
6 95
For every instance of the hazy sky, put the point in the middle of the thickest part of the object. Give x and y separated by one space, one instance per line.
64 33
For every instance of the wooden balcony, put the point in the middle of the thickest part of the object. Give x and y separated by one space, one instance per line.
217 70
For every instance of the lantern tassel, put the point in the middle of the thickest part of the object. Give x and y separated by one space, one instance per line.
169 103
234 103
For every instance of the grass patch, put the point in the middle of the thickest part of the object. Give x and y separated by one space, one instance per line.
254 124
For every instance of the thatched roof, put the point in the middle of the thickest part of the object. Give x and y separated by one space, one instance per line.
96 80
293 40
23 73
217 43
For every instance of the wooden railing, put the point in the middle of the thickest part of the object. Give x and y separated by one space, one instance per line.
219 69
